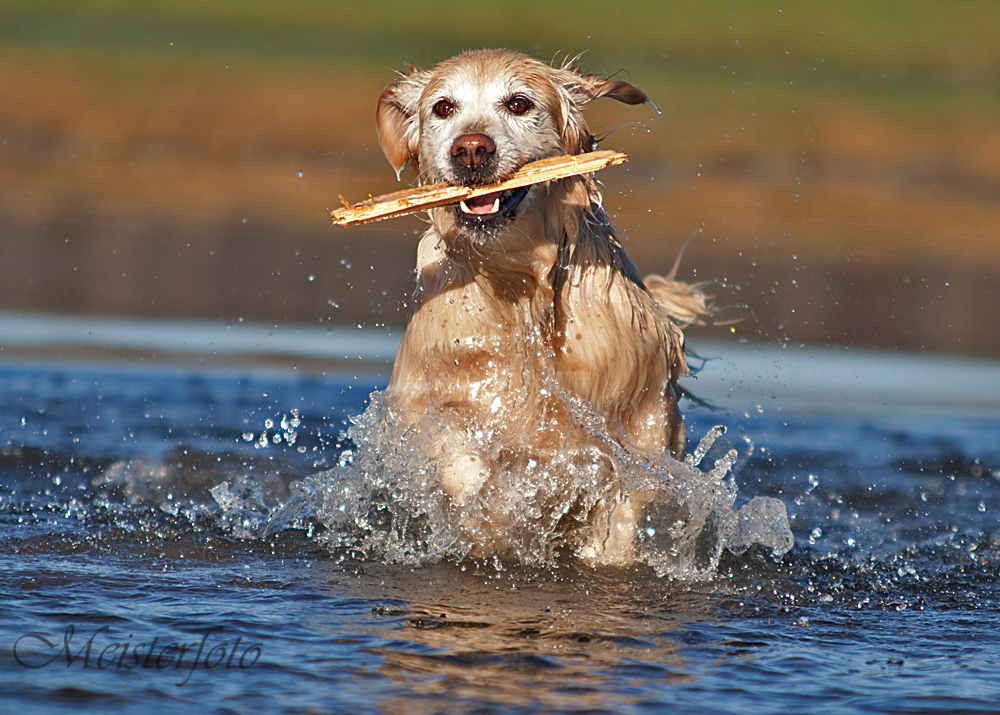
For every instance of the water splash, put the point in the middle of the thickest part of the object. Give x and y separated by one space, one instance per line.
384 500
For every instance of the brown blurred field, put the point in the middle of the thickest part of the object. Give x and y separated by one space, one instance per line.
857 211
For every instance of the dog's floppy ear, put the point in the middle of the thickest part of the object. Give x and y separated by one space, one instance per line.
595 86
396 119
615 89
581 88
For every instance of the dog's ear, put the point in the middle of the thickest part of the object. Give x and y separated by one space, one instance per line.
613 88
595 86
396 119
581 88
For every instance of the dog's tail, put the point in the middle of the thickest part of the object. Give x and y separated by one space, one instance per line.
685 303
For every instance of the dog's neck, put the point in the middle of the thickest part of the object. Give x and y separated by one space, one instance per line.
527 248
512 261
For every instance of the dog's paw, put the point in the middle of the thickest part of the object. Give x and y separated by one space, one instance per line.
462 476
611 539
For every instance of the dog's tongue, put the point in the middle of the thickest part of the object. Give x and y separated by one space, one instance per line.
482 205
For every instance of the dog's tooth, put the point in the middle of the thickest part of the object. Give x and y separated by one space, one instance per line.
465 207
496 205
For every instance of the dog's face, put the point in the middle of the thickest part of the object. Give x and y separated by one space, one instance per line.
481 121
480 116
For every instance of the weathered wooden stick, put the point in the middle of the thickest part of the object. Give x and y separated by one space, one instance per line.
432 196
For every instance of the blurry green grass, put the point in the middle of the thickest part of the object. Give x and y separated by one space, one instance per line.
895 35
911 51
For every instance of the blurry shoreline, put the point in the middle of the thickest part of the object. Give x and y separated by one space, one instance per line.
835 205
730 375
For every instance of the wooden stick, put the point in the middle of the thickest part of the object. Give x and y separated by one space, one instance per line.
432 196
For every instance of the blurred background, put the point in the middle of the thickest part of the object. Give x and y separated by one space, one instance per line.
179 158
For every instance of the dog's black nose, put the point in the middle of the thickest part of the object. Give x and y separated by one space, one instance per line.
472 150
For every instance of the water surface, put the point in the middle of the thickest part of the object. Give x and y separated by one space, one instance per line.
114 532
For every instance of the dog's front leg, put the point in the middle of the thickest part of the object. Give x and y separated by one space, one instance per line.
460 468
610 541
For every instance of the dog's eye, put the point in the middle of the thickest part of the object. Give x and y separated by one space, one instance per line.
518 104
444 108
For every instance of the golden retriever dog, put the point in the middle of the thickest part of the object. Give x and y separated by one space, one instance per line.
526 302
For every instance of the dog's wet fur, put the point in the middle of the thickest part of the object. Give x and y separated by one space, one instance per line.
526 296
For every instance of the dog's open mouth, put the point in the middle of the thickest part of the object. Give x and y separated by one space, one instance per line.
498 205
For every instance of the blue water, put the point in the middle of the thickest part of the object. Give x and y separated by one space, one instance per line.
112 534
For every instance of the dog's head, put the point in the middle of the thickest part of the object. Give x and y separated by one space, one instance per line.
478 117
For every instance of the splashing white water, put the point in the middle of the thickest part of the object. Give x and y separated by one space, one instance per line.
384 501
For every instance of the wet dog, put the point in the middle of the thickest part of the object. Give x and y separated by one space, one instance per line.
526 305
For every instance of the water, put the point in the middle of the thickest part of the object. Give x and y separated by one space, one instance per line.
134 504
